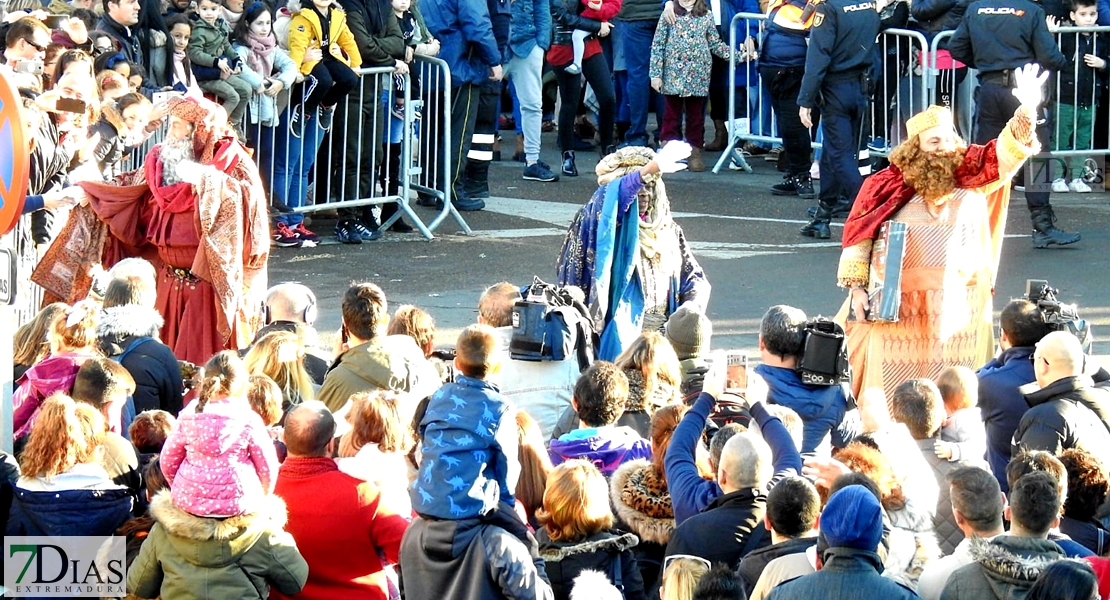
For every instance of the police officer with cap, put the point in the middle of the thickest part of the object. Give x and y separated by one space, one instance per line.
996 37
836 86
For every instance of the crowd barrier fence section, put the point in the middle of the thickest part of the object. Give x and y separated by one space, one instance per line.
913 72
387 139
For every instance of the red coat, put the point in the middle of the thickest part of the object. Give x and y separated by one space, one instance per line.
340 526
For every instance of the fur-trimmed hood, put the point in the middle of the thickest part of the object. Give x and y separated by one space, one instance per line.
608 543
120 322
211 542
628 489
1011 562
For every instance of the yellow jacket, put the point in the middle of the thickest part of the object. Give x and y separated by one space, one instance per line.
305 32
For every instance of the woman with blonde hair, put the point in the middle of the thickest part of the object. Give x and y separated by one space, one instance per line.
280 356
654 379
32 340
63 489
535 468
576 532
374 447
681 574
73 340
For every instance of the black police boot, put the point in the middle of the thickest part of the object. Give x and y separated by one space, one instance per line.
819 226
840 210
787 187
804 186
1045 232
477 179
569 169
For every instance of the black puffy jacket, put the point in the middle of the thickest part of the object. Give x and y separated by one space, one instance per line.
609 553
935 16
152 364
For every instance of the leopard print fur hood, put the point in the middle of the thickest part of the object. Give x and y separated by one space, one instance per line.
642 501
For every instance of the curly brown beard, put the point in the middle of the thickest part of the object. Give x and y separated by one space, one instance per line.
931 174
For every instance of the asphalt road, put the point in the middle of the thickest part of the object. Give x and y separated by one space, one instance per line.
746 239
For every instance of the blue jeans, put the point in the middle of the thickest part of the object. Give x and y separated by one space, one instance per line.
261 138
293 161
637 37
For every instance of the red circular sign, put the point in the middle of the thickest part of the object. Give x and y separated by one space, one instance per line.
15 155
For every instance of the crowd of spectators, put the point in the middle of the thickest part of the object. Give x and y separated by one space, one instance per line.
411 470
285 79
388 467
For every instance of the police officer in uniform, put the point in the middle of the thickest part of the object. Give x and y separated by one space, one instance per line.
782 62
996 37
836 86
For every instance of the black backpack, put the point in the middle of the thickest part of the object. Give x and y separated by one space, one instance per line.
552 323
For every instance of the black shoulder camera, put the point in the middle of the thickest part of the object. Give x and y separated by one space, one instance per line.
1058 316
824 359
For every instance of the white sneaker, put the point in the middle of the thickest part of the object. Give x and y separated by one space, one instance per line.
1060 186
815 170
1079 186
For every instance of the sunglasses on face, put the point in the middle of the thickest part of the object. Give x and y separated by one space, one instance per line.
34 45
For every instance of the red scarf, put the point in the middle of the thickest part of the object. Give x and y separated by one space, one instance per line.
886 192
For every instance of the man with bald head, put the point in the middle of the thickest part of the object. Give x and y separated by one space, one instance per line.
341 525
732 525
292 307
1067 410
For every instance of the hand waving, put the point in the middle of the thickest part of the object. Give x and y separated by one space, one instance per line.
1028 85
669 157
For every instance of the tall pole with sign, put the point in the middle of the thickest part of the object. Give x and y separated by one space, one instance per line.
14 163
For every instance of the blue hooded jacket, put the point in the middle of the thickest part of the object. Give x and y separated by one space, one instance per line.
822 408
468 433
1002 405
69 512
465 33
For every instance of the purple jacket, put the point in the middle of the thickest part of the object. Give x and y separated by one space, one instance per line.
607 449
52 374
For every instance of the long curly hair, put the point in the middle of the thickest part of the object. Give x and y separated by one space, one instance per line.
931 174
861 458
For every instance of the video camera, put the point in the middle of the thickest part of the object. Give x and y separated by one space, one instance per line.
1056 315
824 359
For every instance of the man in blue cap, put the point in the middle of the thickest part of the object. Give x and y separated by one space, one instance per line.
852 524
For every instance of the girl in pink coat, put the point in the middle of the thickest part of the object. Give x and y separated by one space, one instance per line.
220 461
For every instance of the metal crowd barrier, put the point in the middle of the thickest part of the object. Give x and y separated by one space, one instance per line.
429 173
914 74
369 157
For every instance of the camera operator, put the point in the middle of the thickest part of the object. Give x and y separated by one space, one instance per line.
824 410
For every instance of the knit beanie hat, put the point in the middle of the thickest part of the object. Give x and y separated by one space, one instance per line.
689 332
853 518
594 585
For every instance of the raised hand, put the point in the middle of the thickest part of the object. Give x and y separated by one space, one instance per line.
1029 85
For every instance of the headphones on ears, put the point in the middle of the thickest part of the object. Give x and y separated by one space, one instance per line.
308 315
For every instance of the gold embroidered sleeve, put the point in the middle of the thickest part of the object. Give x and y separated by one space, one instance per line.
855 265
1017 142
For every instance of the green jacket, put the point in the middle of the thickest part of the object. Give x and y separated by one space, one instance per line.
207 43
187 557
392 362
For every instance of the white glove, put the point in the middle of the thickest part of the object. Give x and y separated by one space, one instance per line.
1028 85
670 156
190 172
